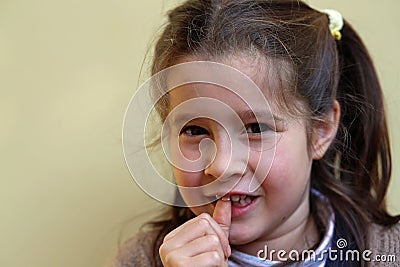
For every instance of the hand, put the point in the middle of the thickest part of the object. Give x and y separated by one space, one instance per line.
201 241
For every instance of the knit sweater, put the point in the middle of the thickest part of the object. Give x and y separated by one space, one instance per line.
383 242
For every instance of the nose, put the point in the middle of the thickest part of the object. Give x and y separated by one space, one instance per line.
229 161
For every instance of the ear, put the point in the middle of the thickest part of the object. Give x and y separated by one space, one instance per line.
324 131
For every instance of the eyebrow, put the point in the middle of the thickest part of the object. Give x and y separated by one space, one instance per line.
250 114
186 117
243 115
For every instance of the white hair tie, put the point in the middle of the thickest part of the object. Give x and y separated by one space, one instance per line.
335 22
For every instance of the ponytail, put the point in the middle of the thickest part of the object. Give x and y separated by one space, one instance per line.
363 117
361 155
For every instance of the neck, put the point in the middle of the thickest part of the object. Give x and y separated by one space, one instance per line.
301 237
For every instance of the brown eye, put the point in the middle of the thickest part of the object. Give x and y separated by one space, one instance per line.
257 128
194 131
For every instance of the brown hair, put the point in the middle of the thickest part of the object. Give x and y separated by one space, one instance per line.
355 172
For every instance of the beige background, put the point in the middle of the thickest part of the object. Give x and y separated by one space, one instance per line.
67 72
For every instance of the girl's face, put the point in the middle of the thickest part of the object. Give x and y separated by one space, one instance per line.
281 203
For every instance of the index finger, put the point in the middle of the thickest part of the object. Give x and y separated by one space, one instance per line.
223 214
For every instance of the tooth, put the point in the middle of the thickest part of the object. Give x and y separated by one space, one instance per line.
248 200
235 197
242 202
243 196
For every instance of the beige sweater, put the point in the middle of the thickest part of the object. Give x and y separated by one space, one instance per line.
383 242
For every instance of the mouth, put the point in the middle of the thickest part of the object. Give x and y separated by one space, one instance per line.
240 200
241 203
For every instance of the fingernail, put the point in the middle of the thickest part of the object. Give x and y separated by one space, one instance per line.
224 198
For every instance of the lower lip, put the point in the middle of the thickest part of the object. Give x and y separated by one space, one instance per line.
238 211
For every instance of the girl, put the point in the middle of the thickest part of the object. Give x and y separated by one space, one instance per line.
323 191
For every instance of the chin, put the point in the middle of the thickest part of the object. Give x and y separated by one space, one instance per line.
241 236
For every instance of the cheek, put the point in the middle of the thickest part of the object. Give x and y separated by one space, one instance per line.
187 159
261 164
189 151
290 168
187 179
193 198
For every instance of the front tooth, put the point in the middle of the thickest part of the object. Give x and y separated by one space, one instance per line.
235 197
243 196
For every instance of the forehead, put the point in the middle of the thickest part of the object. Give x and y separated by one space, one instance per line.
205 91
249 85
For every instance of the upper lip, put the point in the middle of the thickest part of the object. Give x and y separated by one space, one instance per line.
231 193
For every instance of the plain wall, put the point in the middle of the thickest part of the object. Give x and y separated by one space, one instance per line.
67 72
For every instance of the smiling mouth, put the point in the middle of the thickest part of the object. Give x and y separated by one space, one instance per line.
238 200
